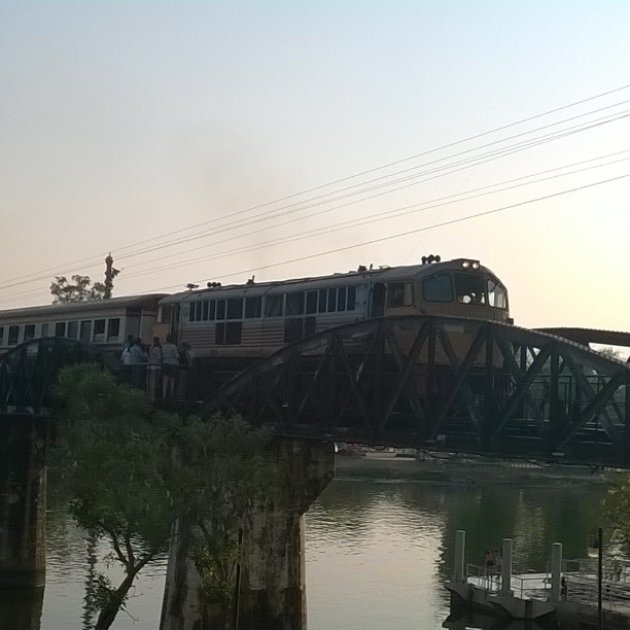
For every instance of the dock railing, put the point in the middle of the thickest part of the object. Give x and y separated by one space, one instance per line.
481 577
580 581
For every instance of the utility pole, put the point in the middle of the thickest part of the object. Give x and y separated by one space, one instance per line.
110 274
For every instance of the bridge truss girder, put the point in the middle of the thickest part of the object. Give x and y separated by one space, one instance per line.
442 383
28 373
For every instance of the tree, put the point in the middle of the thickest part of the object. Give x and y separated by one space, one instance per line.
115 457
79 290
132 471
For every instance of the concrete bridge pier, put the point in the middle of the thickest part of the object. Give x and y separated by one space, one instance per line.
272 580
22 502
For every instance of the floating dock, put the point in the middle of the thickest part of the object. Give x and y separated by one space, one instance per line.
567 593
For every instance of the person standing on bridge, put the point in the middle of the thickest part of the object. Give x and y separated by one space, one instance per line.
170 367
154 368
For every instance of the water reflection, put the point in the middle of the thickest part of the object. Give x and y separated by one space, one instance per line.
377 554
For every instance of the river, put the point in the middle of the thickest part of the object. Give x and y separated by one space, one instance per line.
377 551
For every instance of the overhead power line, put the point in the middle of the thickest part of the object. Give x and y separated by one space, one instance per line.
408 232
92 259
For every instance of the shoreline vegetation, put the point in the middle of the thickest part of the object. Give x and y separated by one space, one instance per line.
465 470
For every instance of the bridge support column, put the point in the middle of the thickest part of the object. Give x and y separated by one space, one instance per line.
22 502
272 582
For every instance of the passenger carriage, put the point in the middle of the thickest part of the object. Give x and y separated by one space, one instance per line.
105 323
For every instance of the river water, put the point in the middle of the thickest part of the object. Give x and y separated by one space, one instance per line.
377 552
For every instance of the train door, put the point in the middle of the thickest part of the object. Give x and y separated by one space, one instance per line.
167 322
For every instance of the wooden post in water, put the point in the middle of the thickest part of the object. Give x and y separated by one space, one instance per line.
460 544
506 567
600 612
556 571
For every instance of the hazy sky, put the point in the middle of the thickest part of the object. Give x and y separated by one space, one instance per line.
128 126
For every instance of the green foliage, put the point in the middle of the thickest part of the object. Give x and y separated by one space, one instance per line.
223 475
79 290
132 470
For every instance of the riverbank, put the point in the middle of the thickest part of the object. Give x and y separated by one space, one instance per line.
464 470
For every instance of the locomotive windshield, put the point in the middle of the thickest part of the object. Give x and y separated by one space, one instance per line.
469 289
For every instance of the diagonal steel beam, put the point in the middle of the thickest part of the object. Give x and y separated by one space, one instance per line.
587 390
517 374
521 388
460 387
404 366
592 409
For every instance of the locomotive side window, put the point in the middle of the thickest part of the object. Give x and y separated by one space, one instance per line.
253 307
332 300
220 309
273 306
469 289
295 303
29 332
399 294
352 297
73 329
14 333
235 308
497 295
341 298
44 331
323 294
1 335
60 329
438 288
311 302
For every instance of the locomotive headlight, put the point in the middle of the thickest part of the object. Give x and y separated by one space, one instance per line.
475 264
466 264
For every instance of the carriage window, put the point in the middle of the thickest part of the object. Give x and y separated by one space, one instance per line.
204 310
1 335
86 330
235 309
44 331
341 298
352 298
438 288
29 332
253 307
273 306
497 295
113 329
220 309
399 294
14 333
212 310
322 300
99 329
73 329
60 329
332 300
295 303
469 289
311 302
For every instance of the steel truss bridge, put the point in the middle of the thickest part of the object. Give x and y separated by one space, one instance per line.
442 383
439 383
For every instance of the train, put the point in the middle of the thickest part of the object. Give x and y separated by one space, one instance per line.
238 323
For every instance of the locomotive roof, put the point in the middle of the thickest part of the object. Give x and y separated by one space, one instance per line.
380 274
80 307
